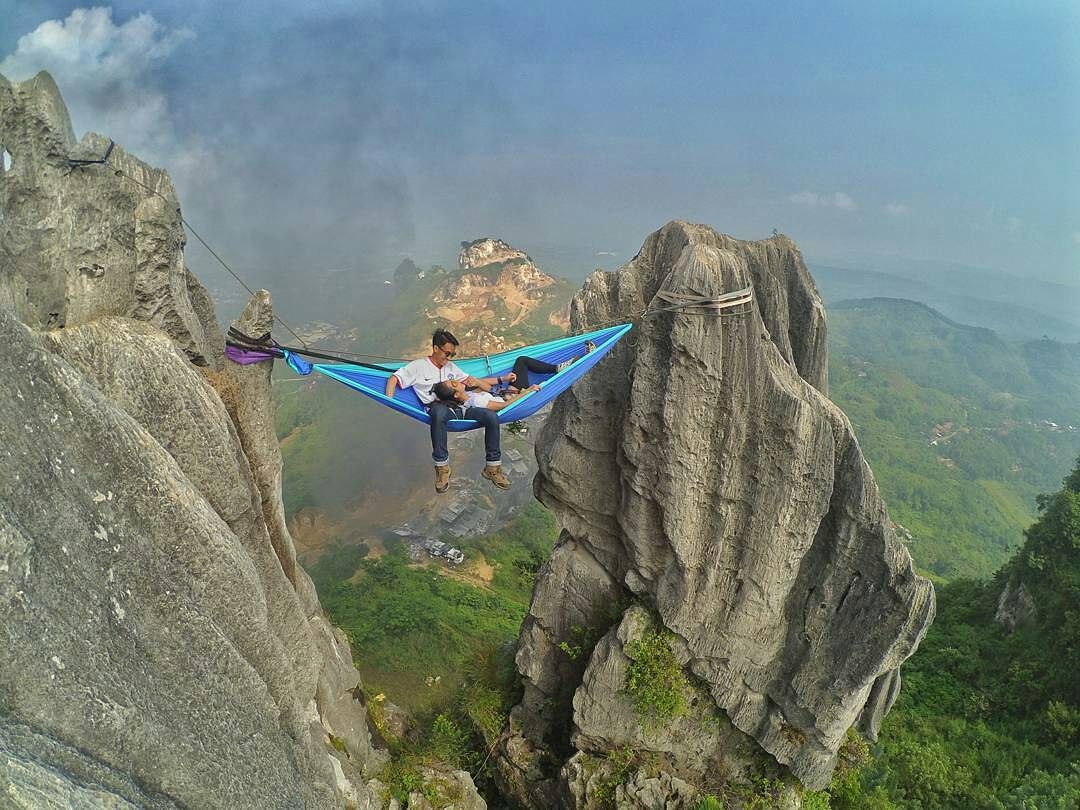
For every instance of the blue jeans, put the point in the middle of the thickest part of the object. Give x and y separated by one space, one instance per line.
440 412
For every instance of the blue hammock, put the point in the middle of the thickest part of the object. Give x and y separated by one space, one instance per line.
372 383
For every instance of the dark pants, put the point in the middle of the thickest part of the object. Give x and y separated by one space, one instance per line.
523 365
440 412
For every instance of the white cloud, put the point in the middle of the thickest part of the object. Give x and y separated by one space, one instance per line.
106 74
838 199
897 210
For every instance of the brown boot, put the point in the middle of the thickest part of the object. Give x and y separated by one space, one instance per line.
495 475
442 477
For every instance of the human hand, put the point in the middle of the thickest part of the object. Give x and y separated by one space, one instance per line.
511 377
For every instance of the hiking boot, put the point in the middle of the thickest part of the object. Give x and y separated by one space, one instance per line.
442 478
495 475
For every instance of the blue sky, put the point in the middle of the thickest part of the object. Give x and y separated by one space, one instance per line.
348 134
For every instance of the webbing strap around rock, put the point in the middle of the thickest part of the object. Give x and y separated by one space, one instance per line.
706 302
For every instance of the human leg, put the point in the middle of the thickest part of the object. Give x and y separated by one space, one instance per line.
523 365
493 470
440 454
440 414
490 421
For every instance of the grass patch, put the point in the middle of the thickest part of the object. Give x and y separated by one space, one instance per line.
415 631
1012 506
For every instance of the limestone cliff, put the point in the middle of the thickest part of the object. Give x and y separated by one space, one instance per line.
159 645
82 243
702 477
496 288
487 251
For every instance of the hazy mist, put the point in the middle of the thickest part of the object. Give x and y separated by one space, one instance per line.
349 135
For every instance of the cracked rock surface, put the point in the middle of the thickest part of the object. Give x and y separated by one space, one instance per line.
160 646
702 470
80 243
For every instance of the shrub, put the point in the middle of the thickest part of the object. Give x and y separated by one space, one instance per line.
654 680
448 741
621 763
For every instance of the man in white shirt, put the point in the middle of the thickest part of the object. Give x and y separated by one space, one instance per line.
421 375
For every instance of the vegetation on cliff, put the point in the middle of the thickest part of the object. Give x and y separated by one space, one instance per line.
989 719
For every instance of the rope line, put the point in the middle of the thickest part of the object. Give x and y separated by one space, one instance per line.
205 244
688 304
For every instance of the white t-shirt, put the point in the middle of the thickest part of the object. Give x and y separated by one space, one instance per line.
420 375
480 399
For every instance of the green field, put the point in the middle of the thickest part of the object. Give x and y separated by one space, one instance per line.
411 623
966 490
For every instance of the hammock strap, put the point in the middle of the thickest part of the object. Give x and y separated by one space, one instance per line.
687 304
708 303
266 344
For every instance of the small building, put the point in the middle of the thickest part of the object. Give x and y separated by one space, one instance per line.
454 510
462 529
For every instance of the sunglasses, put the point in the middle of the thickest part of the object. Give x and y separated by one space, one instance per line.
448 354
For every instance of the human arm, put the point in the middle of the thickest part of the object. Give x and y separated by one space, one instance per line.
487 383
391 385
498 406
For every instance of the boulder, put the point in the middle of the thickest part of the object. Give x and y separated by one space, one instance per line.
1015 607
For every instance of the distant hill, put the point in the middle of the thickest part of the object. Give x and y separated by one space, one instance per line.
1010 305
961 427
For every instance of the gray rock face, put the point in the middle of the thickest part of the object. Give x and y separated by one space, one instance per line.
147 621
605 718
159 644
84 243
455 791
702 470
1015 607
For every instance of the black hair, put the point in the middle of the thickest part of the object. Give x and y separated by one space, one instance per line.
443 391
442 337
